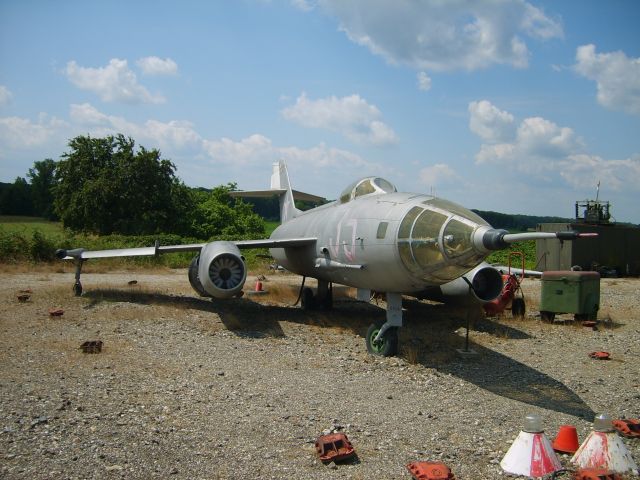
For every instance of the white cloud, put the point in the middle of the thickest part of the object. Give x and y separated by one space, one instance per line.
22 133
437 36
490 123
424 81
258 149
164 135
5 96
437 174
616 75
546 151
353 116
581 170
304 5
176 136
113 83
157 66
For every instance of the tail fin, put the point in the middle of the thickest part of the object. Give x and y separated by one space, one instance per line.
281 187
280 181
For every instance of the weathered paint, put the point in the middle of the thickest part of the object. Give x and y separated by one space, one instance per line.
604 450
531 454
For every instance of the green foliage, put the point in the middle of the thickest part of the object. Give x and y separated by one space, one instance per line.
15 198
105 186
42 177
517 223
218 214
528 248
41 247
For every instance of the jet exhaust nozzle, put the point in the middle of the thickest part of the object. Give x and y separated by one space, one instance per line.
480 285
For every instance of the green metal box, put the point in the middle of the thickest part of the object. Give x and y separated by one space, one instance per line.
570 292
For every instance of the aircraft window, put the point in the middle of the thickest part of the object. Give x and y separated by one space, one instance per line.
450 272
456 210
384 185
457 238
364 188
382 230
407 258
407 222
424 238
345 196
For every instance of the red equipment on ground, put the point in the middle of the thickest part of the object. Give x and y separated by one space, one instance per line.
430 471
628 428
334 447
595 474
510 289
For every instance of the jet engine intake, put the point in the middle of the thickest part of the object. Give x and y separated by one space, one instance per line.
485 280
221 271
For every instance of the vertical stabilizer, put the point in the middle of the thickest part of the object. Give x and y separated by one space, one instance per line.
280 181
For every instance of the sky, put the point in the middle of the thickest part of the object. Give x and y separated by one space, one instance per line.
514 106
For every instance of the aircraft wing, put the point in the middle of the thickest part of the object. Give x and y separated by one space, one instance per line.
157 249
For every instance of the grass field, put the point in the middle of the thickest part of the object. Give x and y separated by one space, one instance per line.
30 238
27 225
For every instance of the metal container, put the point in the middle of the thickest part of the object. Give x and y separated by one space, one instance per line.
565 291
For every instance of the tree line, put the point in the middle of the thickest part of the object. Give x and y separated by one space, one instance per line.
108 186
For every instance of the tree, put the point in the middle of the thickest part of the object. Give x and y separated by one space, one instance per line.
42 178
218 214
15 198
104 186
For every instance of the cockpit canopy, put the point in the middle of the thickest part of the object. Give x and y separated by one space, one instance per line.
366 186
435 240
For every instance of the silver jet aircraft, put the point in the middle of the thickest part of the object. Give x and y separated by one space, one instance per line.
373 238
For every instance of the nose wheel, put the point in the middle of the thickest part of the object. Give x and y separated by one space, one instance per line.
386 345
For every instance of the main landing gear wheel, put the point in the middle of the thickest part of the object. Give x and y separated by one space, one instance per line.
77 289
547 317
308 300
386 346
518 307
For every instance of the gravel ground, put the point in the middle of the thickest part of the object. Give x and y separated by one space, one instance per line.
190 388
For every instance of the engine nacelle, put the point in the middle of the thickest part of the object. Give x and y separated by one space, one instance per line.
219 271
487 285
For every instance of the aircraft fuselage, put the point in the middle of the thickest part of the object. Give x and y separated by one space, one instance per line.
394 242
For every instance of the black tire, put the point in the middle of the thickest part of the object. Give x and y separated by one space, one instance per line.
387 346
548 317
327 301
77 289
308 300
194 280
518 307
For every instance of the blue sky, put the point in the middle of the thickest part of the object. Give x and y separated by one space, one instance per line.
506 105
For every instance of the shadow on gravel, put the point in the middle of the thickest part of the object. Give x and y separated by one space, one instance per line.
509 378
433 333
242 317
429 338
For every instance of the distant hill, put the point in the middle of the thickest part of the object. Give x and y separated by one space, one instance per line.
520 223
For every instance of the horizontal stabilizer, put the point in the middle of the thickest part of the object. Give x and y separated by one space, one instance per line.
297 195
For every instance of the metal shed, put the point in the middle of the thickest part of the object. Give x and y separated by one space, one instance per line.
616 248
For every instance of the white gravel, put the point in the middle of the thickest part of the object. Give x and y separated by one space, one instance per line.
190 388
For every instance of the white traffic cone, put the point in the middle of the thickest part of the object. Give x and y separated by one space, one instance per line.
531 453
604 448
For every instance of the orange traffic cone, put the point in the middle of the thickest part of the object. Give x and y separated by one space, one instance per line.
531 453
566 440
603 448
258 286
